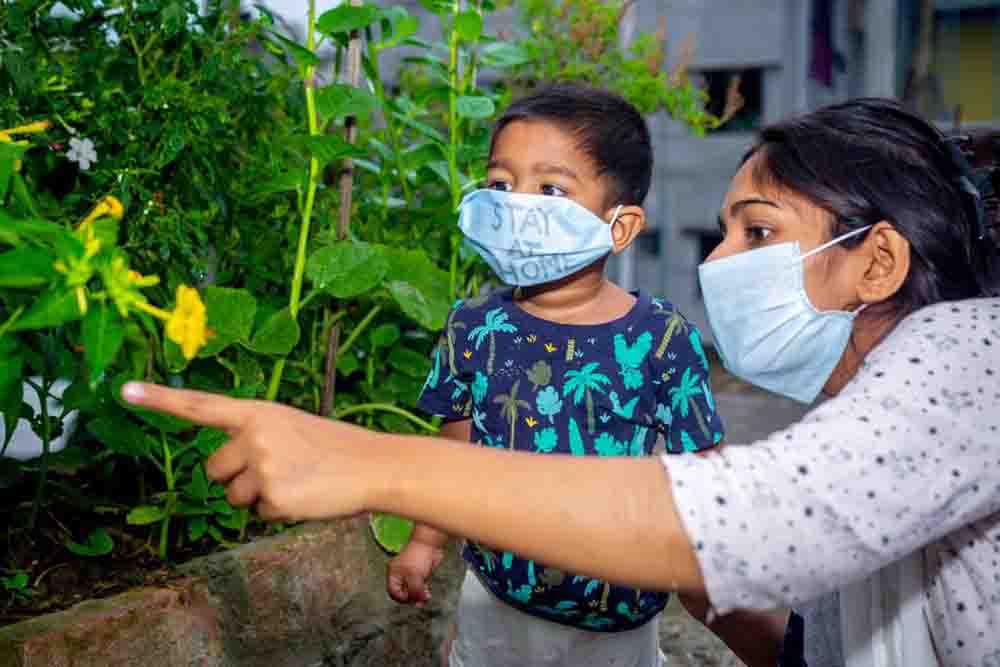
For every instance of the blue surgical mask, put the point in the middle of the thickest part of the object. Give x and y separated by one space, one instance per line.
531 239
765 328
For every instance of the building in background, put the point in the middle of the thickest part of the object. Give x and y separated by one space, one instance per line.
943 56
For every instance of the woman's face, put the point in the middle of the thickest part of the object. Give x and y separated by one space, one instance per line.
755 215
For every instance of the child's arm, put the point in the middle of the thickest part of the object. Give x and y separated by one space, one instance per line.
754 636
409 572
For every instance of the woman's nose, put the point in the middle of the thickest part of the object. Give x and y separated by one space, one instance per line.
720 251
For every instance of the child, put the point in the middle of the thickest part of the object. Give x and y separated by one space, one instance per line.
567 363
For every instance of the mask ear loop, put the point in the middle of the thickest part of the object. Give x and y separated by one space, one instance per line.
829 244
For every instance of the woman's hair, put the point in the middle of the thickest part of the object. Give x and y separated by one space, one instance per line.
871 160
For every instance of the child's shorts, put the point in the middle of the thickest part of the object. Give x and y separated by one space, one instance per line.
493 634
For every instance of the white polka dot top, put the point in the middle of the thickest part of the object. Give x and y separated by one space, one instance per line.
905 459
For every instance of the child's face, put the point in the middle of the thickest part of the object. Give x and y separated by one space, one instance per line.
537 157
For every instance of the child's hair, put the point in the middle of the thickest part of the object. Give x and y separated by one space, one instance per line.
609 129
869 160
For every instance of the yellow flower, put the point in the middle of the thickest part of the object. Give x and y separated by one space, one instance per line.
187 325
78 270
108 207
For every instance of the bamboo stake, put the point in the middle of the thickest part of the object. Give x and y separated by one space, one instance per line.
353 77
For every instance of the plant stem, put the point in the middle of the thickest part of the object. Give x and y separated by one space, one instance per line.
385 407
362 325
300 255
453 133
43 473
168 471
391 129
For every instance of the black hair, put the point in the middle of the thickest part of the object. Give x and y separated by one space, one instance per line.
610 131
870 160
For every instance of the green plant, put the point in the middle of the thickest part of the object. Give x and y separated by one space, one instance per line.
16 585
309 200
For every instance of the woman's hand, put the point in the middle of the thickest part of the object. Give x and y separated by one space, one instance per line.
291 464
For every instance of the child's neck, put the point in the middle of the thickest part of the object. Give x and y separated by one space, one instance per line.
586 297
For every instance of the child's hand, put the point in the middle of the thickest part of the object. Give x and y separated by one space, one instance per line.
409 572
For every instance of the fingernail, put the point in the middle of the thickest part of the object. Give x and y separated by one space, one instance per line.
133 392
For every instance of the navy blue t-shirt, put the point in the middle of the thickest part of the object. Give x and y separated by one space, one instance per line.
533 385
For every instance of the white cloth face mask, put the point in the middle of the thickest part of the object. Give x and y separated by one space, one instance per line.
530 239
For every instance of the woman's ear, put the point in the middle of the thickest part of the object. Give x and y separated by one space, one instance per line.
627 226
887 256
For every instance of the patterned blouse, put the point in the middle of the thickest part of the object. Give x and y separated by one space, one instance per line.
583 390
906 459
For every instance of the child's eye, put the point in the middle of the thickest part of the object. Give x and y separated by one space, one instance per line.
502 186
553 191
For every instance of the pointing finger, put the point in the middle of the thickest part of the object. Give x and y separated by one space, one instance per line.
201 407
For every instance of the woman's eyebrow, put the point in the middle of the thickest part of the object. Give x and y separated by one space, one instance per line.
737 206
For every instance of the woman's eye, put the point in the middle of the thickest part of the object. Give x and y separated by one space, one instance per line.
502 186
553 191
758 234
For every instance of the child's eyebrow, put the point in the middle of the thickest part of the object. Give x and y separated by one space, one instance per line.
550 168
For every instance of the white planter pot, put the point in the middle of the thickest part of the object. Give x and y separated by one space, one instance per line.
26 444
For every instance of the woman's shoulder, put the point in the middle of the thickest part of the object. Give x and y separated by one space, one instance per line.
945 345
955 325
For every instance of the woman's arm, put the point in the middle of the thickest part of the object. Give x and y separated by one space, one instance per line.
612 519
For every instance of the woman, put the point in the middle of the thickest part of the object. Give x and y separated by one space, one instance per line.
858 259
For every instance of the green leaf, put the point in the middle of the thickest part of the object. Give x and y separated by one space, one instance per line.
98 543
327 148
145 515
391 532
385 335
419 287
209 439
121 436
9 155
476 108
503 54
469 25
428 310
339 100
302 56
347 268
288 181
345 18
102 337
27 266
411 363
34 230
197 527
277 336
55 307
11 386
402 26
230 317
198 487
347 364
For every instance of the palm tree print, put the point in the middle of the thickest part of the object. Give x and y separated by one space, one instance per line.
450 329
496 322
509 406
682 395
675 322
581 383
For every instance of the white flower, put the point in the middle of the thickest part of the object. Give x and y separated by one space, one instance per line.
82 152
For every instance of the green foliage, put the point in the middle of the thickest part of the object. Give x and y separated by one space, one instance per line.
225 142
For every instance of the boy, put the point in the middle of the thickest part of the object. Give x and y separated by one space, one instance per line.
568 363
